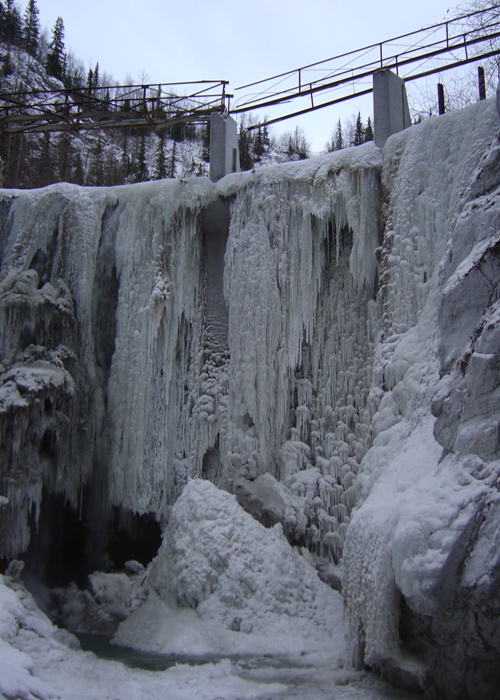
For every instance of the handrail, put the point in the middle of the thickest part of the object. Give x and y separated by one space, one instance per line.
356 66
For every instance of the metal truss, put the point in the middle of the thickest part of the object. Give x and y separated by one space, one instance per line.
154 107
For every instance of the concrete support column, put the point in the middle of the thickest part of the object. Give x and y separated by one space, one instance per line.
224 156
390 106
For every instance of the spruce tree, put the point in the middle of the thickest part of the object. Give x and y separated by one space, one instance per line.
173 160
205 151
368 130
142 168
258 146
90 82
31 28
266 141
339 138
161 161
246 160
2 21
56 57
359 131
12 24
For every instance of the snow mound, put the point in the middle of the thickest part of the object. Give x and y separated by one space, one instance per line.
20 617
218 559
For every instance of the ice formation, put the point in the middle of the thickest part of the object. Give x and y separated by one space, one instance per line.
321 338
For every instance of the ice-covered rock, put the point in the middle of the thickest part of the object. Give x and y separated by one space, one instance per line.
426 513
109 599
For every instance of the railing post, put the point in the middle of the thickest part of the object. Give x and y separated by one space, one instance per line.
481 82
441 105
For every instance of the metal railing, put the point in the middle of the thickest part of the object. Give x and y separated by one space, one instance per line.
414 55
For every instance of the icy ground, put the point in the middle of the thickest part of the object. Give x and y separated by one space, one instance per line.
250 603
38 660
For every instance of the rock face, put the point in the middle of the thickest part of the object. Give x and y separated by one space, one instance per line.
466 626
422 552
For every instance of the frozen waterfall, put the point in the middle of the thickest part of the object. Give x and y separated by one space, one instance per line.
136 358
319 338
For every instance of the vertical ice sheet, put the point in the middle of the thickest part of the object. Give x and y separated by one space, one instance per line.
300 282
101 326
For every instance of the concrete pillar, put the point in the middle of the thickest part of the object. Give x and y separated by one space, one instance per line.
224 156
390 106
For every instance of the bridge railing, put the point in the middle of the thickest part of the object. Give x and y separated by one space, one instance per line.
432 49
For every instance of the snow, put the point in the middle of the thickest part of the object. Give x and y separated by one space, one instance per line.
38 660
218 559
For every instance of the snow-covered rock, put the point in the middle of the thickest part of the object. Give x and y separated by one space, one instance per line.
217 559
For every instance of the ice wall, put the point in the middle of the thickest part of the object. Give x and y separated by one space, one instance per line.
138 351
101 309
320 338
300 282
421 556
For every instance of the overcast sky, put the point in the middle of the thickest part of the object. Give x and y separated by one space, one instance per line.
163 41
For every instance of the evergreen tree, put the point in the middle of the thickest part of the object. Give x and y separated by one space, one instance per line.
205 152
45 174
161 161
368 130
246 160
56 57
2 21
7 65
12 24
258 145
339 138
359 132
90 80
142 168
266 141
64 156
126 160
78 170
31 28
173 160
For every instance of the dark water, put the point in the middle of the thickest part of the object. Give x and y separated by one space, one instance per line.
149 661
